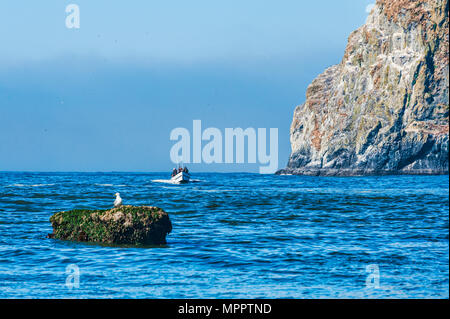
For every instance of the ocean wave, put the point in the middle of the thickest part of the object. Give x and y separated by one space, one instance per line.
112 185
30 185
216 190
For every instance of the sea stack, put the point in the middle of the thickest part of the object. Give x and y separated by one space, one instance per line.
130 225
385 108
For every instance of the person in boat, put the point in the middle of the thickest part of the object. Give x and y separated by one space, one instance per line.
174 172
185 169
180 169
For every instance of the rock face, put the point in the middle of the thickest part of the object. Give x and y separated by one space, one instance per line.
384 109
131 225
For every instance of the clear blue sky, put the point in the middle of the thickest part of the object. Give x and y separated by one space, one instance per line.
106 96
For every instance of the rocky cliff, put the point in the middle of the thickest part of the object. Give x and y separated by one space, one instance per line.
384 109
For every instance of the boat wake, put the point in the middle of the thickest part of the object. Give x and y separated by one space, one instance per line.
166 181
169 181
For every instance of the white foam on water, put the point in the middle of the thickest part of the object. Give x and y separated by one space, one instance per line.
166 181
169 181
111 185
216 190
33 185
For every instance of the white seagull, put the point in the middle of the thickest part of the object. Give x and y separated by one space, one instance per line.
118 201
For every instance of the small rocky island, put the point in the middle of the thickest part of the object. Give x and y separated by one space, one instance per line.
129 225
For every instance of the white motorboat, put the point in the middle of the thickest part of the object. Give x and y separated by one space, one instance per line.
181 178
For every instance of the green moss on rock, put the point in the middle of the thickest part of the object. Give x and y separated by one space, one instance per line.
144 225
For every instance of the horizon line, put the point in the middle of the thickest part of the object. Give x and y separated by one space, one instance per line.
128 172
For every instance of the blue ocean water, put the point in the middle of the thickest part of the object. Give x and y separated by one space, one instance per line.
234 236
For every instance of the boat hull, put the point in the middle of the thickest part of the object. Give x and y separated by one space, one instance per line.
181 178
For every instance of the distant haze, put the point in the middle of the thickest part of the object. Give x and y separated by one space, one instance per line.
106 96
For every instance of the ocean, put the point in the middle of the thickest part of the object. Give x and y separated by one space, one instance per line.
234 236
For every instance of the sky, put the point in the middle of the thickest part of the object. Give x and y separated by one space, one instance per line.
106 96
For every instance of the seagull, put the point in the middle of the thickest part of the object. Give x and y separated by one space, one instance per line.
118 201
